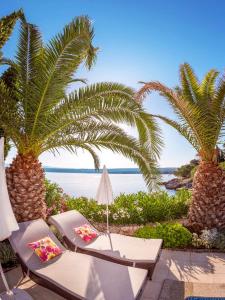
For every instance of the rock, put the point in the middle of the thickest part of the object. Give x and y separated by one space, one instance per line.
177 183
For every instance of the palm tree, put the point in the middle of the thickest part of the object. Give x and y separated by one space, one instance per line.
200 110
38 115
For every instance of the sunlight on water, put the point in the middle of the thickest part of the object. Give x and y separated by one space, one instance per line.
86 184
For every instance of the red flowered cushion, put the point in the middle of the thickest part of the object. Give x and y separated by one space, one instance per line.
45 249
86 232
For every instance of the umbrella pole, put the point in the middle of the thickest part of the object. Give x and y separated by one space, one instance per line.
9 292
107 218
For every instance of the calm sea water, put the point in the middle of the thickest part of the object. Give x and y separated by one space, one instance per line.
86 184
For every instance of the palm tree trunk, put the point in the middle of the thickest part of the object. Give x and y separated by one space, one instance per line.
207 208
25 180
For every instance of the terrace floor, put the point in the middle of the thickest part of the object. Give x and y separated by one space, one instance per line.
195 267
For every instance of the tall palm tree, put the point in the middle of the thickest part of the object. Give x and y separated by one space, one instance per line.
200 110
38 115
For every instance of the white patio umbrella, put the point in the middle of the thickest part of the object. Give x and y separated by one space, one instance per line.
104 193
8 224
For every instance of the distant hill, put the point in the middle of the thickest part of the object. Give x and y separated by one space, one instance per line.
111 171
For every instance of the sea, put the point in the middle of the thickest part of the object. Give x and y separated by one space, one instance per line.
84 182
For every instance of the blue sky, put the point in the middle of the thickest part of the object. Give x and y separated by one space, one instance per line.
139 40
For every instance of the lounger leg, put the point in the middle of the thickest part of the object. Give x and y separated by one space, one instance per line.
149 274
23 268
23 272
150 271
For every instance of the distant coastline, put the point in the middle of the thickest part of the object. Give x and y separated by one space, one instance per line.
111 171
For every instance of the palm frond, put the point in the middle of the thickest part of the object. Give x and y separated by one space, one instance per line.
218 101
184 130
207 87
150 133
109 101
28 64
82 80
118 143
7 24
10 115
198 106
62 56
189 83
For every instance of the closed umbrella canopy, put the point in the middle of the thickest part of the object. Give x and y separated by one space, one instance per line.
7 219
105 193
8 224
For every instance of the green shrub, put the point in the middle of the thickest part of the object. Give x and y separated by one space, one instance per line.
209 239
55 198
222 165
173 235
193 171
7 256
89 208
142 208
186 171
139 208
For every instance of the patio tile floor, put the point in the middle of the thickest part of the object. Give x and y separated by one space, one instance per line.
177 265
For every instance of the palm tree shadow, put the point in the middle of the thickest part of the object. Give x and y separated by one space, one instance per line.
189 268
103 282
199 266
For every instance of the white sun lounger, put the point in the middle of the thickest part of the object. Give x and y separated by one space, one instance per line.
121 249
75 275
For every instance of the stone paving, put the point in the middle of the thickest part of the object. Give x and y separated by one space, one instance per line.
186 266
177 265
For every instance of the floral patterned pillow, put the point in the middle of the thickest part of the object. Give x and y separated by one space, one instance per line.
86 232
45 249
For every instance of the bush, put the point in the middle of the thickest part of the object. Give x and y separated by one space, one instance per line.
55 198
209 239
186 171
89 208
7 256
173 235
140 208
222 165
193 171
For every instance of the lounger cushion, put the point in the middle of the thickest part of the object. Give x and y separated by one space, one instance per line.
32 231
124 248
45 249
83 276
93 278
